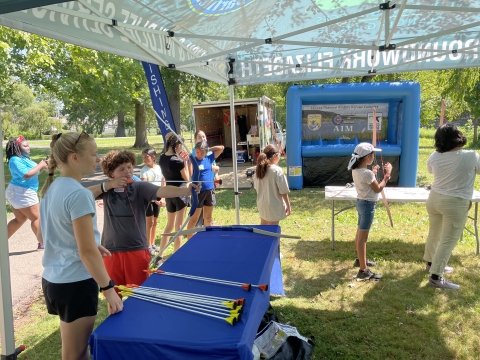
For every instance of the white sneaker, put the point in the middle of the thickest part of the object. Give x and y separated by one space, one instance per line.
441 283
447 270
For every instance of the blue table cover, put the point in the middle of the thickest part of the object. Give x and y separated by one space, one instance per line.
145 330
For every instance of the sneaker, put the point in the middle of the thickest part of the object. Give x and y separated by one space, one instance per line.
151 250
158 261
155 247
442 284
369 263
40 247
367 274
447 270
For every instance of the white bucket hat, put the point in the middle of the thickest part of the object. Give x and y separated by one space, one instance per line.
361 150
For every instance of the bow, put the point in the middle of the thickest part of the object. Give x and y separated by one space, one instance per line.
374 142
442 114
194 195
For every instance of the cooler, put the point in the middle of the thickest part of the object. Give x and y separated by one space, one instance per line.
241 156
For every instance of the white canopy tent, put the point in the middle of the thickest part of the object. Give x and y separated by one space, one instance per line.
241 42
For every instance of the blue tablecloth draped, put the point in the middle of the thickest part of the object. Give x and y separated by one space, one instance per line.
149 331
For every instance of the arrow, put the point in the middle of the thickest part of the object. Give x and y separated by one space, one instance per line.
247 287
240 301
232 320
187 302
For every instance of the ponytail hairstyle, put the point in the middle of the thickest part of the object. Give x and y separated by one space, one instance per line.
62 145
265 160
353 165
171 141
150 151
13 147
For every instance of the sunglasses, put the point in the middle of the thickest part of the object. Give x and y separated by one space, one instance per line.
83 133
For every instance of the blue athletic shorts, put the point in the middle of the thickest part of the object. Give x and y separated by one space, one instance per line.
366 212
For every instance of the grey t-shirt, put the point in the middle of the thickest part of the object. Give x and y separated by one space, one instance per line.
124 227
362 178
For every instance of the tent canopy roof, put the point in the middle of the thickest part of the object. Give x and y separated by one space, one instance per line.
269 41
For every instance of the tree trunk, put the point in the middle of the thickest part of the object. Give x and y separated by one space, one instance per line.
367 78
475 125
120 124
141 140
174 101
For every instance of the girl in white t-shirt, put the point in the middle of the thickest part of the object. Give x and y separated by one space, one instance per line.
271 185
367 195
151 172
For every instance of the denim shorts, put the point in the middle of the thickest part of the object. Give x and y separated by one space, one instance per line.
20 197
366 212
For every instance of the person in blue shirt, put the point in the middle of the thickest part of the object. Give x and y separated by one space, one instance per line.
204 158
21 193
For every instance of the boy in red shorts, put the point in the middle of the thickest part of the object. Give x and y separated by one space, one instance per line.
124 206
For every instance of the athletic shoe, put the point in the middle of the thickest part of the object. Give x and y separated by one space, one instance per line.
158 261
151 250
447 270
441 283
155 247
367 274
40 247
369 263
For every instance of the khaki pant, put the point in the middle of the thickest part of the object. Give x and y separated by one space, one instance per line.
448 216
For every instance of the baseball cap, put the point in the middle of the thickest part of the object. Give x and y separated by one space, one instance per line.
363 149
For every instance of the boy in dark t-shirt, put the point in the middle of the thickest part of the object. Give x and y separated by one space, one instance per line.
125 205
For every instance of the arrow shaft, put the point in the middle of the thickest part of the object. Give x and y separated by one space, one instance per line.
186 293
208 303
226 282
187 303
161 302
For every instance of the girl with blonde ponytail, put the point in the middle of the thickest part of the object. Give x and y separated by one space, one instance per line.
73 265
272 189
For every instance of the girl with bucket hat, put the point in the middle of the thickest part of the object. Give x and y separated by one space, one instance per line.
368 190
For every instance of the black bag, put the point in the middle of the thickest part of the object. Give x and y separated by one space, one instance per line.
293 348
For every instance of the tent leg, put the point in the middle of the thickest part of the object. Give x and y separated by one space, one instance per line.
234 152
6 310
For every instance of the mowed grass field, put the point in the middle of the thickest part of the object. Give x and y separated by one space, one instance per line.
399 317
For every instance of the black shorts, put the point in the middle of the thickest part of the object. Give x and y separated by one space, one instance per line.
177 204
206 198
71 301
153 210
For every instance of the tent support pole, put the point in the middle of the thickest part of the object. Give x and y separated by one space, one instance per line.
234 152
6 308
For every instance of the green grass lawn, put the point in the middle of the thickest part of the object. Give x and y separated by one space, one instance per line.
398 317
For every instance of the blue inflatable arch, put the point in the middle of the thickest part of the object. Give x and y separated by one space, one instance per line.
401 128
